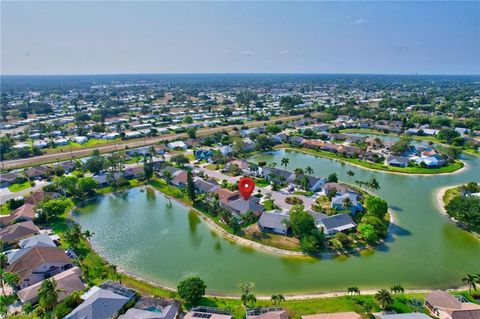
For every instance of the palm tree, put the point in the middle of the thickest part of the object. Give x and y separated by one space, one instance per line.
48 295
276 299
374 184
347 203
272 164
353 290
114 272
167 175
11 279
350 174
284 162
309 170
384 299
397 289
88 234
471 281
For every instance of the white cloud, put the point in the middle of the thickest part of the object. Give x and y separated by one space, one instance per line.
360 21
248 53
287 52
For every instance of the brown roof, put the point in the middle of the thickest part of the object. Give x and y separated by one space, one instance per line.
225 196
68 281
25 211
334 315
13 233
37 197
180 177
33 259
442 299
466 314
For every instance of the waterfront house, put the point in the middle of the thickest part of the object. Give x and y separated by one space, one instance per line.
207 313
39 263
23 213
337 223
67 281
67 167
202 186
430 161
102 302
153 308
397 161
12 234
274 221
443 305
338 188
334 315
43 240
179 178
267 313
411 315
240 206
338 203
134 172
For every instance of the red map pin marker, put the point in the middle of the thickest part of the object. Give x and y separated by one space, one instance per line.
246 186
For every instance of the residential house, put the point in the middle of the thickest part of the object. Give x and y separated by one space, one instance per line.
38 172
412 315
225 196
267 313
397 161
338 203
241 164
26 212
39 196
443 305
134 172
67 281
179 178
338 188
226 150
11 178
39 263
312 183
67 166
207 313
12 234
430 161
203 154
102 302
337 223
202 186
274 221
240 206
177 145
334 315
153 308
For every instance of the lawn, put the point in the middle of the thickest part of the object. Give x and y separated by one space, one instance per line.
381 167
261 182
450 194
253 233
4 210
19 187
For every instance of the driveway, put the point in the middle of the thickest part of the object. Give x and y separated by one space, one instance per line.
6 194
278 196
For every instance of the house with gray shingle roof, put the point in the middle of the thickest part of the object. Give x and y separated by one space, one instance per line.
241 206
337 223
274 221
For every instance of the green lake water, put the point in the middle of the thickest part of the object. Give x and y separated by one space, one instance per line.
164 242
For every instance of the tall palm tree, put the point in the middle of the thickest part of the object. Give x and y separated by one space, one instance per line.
384 299
48 295
471 281
273 164
88 234
353 290
11 279
347 203
350 174
284 162
276 299
397 289
309 170
374 184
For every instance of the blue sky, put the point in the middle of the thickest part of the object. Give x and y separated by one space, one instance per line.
89 37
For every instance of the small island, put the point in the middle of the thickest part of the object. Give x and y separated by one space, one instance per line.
462 204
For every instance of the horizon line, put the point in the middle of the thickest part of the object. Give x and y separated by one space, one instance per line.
238 73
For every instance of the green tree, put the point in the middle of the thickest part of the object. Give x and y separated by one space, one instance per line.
368 232
191 290
95 164
353 291
376 206
332 178
384 299
277 299
350 174
190 186
87 186
284 162
301 222
247 297
309 170
188 119
192 133
48 295
471 281
397 289
53 208
180 159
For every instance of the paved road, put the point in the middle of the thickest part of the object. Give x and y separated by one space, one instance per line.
108 148
278 196
5 194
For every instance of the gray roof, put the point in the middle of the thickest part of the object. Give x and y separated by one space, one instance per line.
204 186
398 160
99 304
37 240
242 206
338 222
274 219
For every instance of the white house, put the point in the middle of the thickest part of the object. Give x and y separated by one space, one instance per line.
79 139
177 145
